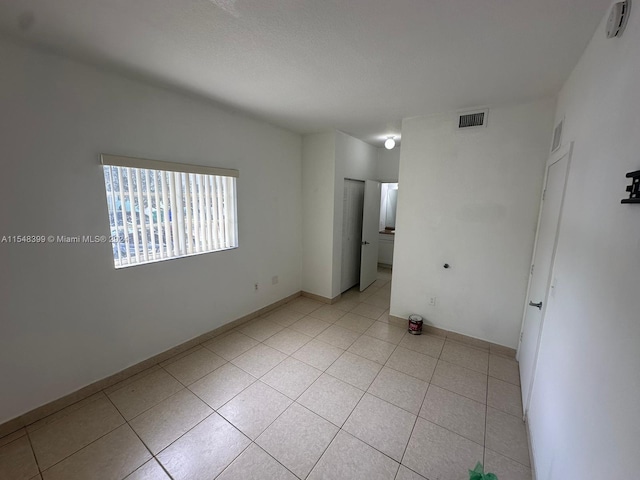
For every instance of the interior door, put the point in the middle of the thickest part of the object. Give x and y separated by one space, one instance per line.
541 269
351 233
370 230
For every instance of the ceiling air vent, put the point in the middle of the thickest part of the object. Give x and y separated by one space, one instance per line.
470 120
557 137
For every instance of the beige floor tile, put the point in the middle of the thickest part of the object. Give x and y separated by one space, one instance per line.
141 395
355 322
385 319
449 456
328 313
331 398
318 354
399 389
285 316
305 305
291 377
460 380
380 282
369 311
115 455
17 461
501 350
230 346
180 355
119 385
383 426
149 471
505 468
253 410
288 341
355 370
75 406
412 363
338 336
57 440
405 474
386 331
255 464
221 385
380 301
259 360
261 329
356 295
373 349
166 422
468 357
204 451
505 369
310 326
194 366
348 457
297 439
504 396
345 304
506 435
12 436
469 341
454 412
425 344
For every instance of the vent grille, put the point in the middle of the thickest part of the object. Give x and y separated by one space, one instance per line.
471 120
557 137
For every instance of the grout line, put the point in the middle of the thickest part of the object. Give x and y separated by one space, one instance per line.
32 451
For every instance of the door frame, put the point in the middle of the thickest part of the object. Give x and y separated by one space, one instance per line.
563 151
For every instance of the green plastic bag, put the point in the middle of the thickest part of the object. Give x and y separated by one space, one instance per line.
478 473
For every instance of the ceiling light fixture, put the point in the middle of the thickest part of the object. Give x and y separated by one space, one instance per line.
389 143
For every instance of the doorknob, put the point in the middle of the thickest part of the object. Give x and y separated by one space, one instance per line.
539 305
365 243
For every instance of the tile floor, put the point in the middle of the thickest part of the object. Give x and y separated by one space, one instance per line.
308 391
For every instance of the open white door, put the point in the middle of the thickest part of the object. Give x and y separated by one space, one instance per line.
541 269
370 230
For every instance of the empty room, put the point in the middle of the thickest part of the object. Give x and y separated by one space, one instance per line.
295 239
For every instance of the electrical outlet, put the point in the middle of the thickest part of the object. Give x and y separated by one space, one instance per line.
255 286
274 280
432 301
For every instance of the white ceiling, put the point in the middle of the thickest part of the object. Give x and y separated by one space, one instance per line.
309 65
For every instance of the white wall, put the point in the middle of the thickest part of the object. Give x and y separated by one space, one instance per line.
328 158
318 184
388 164
470 199
68 317
585 413
357 160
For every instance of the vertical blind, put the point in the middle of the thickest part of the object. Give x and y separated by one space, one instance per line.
162 210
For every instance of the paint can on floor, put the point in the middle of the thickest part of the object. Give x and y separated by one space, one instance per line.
415 324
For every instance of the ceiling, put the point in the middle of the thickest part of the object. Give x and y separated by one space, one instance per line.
359 66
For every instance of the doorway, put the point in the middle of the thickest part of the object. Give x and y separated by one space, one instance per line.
353 204
540 281
388 206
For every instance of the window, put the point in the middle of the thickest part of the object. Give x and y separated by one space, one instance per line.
162 210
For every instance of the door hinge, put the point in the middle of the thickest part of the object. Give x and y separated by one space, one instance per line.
532 269
544 192
521 335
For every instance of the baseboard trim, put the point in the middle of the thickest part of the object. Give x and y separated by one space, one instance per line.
493 348
320 298
49 408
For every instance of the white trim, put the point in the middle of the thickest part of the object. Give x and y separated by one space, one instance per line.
133 162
